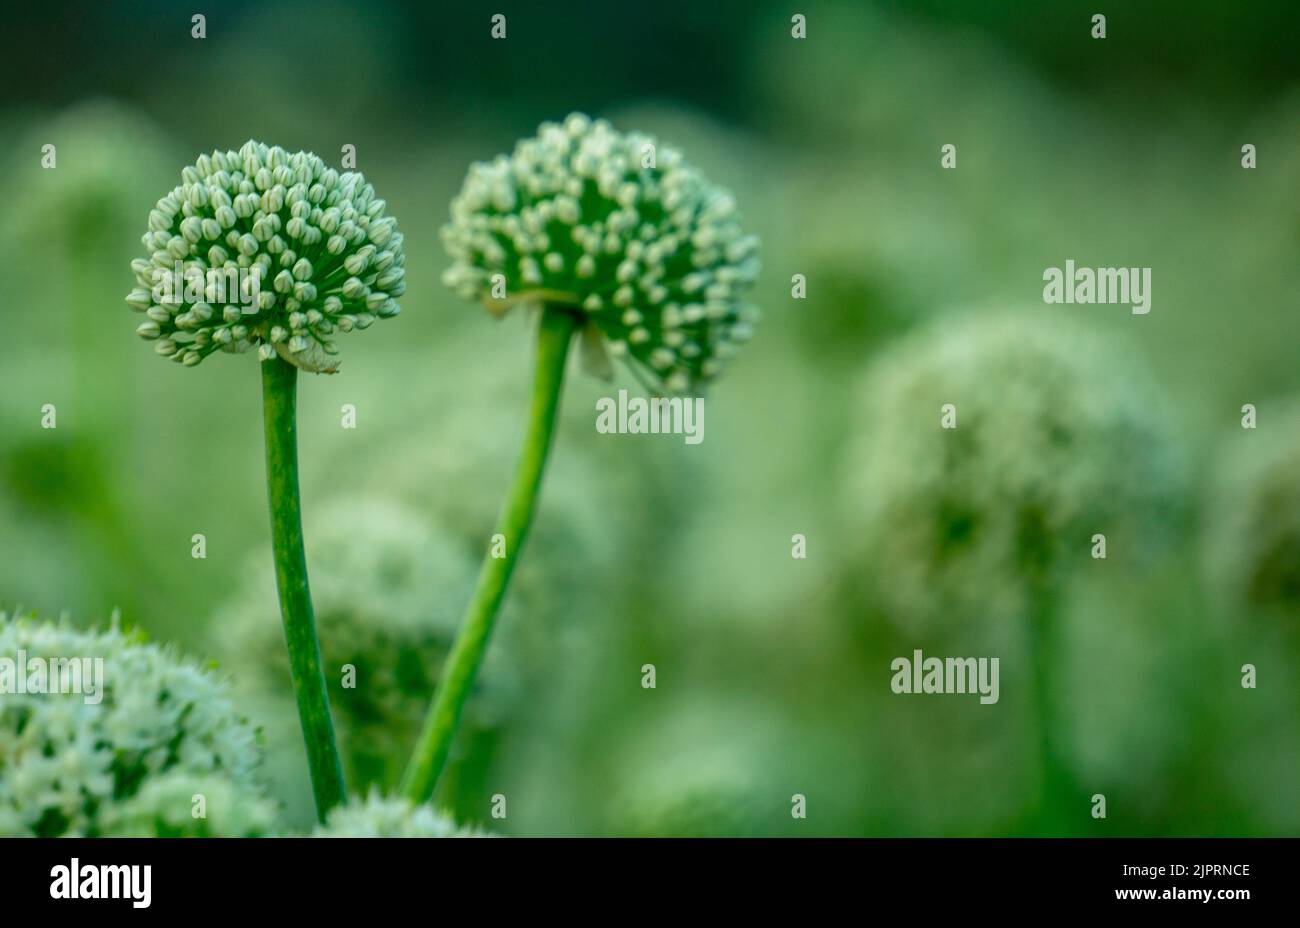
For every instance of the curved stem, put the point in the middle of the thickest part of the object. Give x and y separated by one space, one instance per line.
554 333
279 408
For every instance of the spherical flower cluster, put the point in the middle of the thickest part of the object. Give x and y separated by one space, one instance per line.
388 590
1253 535
614 227
381 817
77 763
1054 440
265 248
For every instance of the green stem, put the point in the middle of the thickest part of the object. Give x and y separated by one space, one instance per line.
1057 796
554 333
279 407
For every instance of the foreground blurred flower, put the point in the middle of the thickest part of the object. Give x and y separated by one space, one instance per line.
1253 531
162 733
265 248
275 250
605 234
165 807
1055 441
388 592
380 817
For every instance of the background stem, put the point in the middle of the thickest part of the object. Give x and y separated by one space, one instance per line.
1058 795
279 407
554 333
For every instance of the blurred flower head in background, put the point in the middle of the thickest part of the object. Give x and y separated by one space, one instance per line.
1253 525
275 250
102 156
623 230
72 767
987 454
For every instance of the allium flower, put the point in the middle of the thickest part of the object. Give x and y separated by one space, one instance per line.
388 592
606 234
649 252
1055 441
602 233
163 730
1253 536
264 248
380 817
276 251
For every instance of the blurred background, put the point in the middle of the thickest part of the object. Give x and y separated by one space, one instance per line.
772 672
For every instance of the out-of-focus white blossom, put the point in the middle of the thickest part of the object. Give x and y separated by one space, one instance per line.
1056 439
161 732
381 817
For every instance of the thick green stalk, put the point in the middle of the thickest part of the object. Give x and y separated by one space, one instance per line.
1059 804
554 333
279 407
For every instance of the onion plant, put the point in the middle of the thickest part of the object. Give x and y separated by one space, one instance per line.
267 250
993 451
604 236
